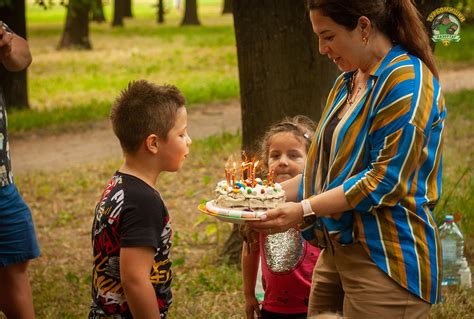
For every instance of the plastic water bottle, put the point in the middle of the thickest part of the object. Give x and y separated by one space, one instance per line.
465 276
452 243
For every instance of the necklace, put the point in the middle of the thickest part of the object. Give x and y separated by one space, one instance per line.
351 96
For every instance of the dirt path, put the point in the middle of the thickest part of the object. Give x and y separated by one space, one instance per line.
55 152
87 145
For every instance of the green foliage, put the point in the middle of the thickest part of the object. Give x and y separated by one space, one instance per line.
201 61
46 4
465 6
458 52
5 3
23 120
458 156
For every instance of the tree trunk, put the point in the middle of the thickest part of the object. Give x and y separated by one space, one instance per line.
281 72
128 9
161 12
280 69
76 28
425 7
190 13
119 13
98 11
232 253
14 84
227 8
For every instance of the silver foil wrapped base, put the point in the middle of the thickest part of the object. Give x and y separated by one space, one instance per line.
283 251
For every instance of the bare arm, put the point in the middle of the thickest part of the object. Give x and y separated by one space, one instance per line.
291 188
249 272
14 51
135 266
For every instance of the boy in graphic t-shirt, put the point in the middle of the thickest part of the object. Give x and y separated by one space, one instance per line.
131 232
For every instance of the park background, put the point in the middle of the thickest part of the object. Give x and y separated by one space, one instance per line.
70 92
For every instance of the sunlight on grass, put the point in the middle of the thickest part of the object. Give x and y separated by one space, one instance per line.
458 160
63 203
460 52
69 86
199 60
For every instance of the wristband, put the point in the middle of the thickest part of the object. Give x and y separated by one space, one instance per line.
309 217
307 209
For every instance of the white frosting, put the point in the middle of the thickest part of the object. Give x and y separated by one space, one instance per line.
258 198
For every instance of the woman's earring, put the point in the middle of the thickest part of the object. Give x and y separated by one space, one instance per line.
365 40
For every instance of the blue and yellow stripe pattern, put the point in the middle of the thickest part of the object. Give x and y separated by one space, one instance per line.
386 152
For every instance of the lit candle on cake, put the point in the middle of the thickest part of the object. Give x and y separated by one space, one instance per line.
227 176
234 172
254 168
270 177
246 166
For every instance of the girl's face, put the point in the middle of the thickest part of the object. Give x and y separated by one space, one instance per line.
286 155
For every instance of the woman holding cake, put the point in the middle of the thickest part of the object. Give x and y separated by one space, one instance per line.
373 172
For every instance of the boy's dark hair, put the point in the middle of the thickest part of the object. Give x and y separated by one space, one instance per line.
144 108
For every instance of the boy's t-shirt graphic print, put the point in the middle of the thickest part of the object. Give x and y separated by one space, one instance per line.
130 213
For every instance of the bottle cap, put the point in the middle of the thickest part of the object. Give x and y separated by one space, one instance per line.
449 218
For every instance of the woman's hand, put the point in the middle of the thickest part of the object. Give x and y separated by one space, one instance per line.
252 306
279 219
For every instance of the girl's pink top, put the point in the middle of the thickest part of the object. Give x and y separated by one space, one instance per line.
287 272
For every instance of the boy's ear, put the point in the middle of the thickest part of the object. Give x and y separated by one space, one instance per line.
152 143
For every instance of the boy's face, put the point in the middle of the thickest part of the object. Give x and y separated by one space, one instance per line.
175 148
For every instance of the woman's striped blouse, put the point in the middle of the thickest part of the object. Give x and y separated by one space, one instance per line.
386 152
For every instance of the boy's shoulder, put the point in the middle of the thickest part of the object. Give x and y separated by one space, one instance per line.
136 189
130 190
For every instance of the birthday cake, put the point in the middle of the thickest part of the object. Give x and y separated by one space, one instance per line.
249 195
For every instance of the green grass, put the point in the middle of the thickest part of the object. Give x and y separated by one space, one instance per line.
461 52
68 86
62 204
458 156
79 86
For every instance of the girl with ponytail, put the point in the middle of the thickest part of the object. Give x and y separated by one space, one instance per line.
372 176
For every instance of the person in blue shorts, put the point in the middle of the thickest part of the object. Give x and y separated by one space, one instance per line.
18 242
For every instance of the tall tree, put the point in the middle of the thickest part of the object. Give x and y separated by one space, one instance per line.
190 13
97 11
128 9
227 7
161 12
76 28
119 12
14 84
281 72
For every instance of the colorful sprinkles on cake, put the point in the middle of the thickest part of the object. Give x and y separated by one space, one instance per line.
245 196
